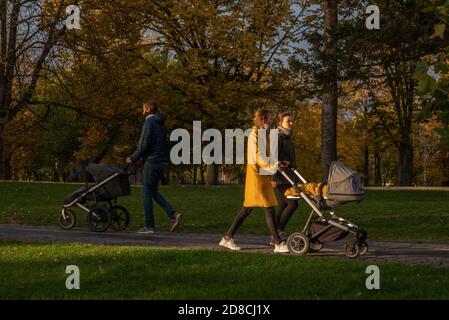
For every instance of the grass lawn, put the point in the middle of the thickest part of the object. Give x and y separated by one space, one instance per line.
387 215
37 271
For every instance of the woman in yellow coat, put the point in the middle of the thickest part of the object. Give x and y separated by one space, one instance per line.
258 189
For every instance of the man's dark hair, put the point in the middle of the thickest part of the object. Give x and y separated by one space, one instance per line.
151 105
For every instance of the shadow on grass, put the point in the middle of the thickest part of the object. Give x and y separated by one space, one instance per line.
38 272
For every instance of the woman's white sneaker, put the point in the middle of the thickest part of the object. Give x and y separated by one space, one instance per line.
281 248
228 243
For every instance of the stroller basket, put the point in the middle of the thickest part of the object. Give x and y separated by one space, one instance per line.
330 234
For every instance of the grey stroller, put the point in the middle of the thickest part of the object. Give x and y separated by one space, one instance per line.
343 185
110 182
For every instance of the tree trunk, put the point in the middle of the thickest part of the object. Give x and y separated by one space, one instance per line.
241 176
2 163
8 167
56 173
3 50
202 174
329 112
10 54
405 174
112 134
5 168
377 168
212 174
366 166
194 173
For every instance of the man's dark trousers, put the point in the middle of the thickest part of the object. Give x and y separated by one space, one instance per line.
152 174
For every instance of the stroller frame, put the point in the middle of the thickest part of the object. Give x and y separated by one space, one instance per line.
311 243
89 190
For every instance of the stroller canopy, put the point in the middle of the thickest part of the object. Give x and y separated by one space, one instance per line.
344 184
102 190
101 172
118 186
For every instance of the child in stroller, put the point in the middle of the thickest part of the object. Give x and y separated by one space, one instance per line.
343 186
96 199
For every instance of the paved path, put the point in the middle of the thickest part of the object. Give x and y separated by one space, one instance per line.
412 253
396 188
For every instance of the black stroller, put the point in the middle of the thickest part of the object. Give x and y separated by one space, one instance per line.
343 186
110 182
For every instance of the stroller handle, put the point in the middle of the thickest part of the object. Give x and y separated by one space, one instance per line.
282 171
133 167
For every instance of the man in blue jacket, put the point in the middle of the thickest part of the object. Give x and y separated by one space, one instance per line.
153 149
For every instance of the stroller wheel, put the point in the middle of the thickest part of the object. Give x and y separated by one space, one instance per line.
69 221
363 248
352 249
119 217
99 219
298 243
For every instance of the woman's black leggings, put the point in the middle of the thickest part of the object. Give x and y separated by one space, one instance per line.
285 209
244 212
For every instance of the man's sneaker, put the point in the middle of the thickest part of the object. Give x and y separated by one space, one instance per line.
282 235
228 243
175 222
146 230
281 248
